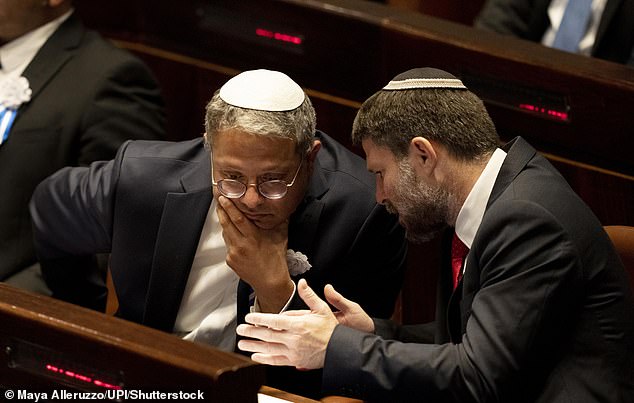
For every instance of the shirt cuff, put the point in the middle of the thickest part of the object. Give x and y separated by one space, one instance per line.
256 305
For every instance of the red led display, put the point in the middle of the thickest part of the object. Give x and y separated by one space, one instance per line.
80 377
555 114
278 36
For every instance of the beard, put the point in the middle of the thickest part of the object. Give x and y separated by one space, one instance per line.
422 209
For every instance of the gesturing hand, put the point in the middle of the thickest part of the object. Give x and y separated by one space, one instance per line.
296 338
350 313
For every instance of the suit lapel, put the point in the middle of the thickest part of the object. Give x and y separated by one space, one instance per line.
304 221
444 291
179 232
519 153
606 18
57 50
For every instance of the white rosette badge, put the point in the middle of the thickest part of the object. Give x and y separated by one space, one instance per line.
297 263
14 91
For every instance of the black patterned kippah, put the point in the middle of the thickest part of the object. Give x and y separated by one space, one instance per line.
425 77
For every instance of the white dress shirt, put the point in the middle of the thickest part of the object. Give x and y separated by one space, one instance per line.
208 310
556 14
16 55
472 211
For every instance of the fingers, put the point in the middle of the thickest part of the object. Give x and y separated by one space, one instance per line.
278 360
274 328
230 216
337 300
256 346
299 312
228 227
264 320
311 299
265 353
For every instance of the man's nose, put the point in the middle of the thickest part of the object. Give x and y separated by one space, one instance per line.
252 197
380 195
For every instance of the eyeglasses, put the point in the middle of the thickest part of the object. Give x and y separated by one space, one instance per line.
273 189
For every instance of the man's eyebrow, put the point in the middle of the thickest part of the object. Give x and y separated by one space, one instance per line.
272 171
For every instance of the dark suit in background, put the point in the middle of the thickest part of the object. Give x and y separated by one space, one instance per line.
543 291
148 206
528 19
88 98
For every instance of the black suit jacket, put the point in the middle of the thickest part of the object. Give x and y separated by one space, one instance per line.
543 312
88 98
528 19
148 206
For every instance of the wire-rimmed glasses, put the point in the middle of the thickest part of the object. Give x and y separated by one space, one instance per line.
273 189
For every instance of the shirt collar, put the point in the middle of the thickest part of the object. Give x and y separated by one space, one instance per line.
472 211
17 54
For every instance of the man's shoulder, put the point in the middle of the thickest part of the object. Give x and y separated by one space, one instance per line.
188 150
338 161
163 163
90 48
94 46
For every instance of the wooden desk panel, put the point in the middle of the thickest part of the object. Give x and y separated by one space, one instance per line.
49 343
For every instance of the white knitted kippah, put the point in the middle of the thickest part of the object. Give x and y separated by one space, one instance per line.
425 77
263 90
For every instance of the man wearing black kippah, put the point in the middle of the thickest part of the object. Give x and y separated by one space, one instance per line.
533 302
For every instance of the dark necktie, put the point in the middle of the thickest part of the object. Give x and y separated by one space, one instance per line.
458 252
574 25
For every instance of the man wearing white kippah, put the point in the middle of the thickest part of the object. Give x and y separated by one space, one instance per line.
533 304
202 231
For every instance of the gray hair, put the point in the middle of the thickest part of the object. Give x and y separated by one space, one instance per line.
456 119
298 124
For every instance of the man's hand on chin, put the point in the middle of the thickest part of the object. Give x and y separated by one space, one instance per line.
257 255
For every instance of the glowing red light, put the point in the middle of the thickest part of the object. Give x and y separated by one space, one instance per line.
83 378
106 385
80 377
264 32
278 36
559 115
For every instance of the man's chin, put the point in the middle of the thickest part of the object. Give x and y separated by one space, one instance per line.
266 222
422 236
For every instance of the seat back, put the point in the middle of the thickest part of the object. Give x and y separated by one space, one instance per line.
622 237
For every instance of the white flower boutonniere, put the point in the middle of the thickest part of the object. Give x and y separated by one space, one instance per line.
14 91
297 262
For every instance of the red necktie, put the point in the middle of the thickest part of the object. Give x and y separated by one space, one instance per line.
458 252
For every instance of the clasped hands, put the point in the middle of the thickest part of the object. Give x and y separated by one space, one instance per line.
300 338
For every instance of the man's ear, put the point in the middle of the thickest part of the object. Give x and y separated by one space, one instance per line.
54 3
312 154
423 156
